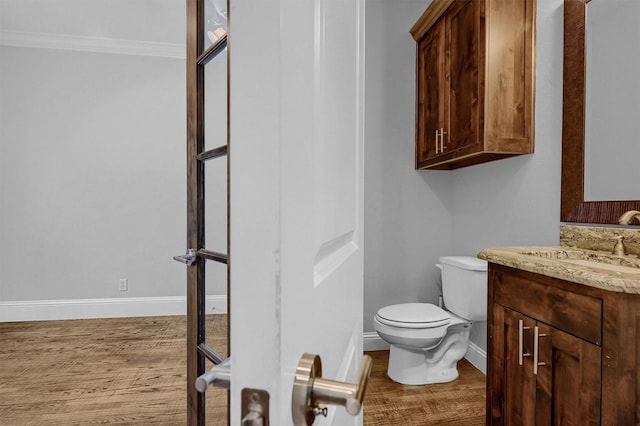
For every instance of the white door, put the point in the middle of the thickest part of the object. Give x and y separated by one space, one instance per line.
296 195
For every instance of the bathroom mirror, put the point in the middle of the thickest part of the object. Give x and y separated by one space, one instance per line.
594 143
611 169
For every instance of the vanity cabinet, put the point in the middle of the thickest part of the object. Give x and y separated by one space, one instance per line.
474 82
545 367
560 353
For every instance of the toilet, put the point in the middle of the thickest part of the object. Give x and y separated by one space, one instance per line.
427 341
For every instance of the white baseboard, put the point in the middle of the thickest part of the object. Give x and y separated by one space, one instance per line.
42 310
477 357
475 354
373 342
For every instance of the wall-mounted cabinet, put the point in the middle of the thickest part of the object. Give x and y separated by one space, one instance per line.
474 82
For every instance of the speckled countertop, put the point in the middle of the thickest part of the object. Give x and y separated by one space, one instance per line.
584 257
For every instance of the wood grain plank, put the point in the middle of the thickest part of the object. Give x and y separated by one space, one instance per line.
121 371
132 371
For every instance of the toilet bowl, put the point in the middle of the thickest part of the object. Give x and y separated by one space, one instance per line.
426 342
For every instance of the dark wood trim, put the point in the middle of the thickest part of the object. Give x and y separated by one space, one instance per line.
213 153
212 255
213 50
195 210
228 152
211 354
573 207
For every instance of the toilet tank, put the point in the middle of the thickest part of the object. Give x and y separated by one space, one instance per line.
464 286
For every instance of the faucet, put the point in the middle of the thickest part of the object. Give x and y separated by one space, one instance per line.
619 249
628 217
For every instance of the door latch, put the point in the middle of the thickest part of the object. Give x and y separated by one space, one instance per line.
255 407
188 258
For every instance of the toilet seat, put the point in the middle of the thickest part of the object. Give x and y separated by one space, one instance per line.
413 315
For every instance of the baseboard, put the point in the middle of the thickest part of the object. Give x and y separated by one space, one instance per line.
42 310
475 354
373 342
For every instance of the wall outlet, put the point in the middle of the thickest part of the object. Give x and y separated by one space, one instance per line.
123 284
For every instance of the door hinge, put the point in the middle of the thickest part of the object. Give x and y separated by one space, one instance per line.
188 258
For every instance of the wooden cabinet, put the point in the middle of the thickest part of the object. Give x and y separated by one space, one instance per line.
560 353
550 376
474 82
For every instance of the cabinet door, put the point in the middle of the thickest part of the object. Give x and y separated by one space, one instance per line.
568 381
512 382
465 72
431 92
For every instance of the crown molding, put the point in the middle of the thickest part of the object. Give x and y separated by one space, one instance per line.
91 44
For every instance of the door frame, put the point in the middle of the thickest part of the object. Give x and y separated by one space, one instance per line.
197 351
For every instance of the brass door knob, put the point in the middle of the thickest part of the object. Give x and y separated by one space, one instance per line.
310 390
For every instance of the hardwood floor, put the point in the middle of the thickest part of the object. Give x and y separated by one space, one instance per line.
459 403
131 371
124 371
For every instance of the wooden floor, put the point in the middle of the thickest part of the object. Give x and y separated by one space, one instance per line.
131 371
459 403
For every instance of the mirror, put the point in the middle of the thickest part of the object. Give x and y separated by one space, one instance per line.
611 146
585 121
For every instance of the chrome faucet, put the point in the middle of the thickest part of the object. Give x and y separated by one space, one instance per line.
628 217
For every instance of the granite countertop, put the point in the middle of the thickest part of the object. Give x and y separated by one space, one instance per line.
589 267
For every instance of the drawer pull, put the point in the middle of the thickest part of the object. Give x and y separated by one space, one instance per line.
521 329
536 351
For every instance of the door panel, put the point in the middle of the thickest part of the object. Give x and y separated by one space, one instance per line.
207 148
464 51
296 196
519 386
433 86
215 98
568 384
216 290
214 21
215 206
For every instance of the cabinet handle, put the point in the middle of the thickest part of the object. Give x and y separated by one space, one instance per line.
437 146
442 133
521 329
536 336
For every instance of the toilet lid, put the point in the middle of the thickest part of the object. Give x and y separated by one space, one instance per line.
413 315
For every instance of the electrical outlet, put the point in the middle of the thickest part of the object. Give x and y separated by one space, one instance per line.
124 284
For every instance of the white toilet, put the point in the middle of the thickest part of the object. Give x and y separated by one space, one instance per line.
426 341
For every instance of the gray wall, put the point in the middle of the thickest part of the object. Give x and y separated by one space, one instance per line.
408 217
517 201
92 174
98 193
413 217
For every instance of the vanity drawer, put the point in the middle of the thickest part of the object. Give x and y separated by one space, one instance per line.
574 313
